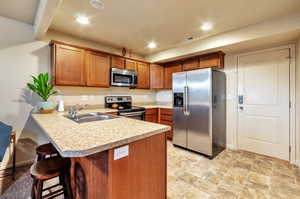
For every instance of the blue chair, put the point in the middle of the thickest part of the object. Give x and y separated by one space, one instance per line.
7 137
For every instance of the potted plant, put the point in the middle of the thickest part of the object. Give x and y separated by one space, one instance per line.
42 86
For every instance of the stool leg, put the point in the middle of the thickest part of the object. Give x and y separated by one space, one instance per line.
33 189
39 190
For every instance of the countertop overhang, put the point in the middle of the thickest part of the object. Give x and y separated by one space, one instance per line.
79 140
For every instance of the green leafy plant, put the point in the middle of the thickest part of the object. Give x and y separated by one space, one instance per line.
42 86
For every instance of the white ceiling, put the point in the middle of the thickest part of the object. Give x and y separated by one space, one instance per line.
20 10
133 23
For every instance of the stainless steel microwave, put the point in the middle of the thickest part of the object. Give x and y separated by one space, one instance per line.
124 78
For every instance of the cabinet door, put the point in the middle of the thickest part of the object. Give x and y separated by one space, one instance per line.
69 66
117 62
212 60
169 70
152 115
191 64
98 69
166 117
130 65
156 76
143 75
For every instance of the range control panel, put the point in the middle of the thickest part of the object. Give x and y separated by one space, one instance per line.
117 99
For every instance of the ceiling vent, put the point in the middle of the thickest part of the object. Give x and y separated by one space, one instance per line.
98 4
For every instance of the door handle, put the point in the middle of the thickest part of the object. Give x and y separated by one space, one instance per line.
241 108
241 99
186 91
184 101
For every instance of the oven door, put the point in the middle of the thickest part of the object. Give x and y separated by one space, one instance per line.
125 78
140 115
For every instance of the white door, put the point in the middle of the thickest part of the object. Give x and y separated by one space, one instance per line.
263 110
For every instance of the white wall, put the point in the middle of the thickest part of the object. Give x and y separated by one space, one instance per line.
20 57
298 96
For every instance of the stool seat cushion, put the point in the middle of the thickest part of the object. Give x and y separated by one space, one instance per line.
46 149
5 133
48 168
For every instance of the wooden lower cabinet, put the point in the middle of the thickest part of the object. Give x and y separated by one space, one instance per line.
140 175
166 117
161 116
152 115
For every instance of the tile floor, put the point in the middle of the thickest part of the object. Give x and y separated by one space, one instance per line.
232 174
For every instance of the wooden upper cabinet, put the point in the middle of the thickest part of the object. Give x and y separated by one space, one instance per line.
171 68
190 64
130 65
213 60
68 66
143 77
98 69
117 62
156 76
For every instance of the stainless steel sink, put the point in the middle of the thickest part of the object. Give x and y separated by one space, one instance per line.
90 117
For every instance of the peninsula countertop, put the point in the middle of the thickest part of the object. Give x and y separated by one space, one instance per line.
78 140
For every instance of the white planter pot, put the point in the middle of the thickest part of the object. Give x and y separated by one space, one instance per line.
45 107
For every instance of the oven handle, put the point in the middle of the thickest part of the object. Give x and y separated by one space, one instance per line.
133 114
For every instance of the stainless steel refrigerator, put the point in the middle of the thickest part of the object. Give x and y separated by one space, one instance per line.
199 110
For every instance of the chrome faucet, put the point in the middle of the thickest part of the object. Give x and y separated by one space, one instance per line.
74 110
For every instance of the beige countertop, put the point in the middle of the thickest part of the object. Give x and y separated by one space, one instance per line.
78 140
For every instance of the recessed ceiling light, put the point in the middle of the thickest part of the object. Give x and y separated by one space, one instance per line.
98 4
207 26
82 20
152 45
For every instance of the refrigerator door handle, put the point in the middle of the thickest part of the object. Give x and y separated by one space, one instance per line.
187 107
186 103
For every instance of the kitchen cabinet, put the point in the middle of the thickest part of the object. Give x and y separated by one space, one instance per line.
117 62
152 115
143 70
165 116
68 65
190 64
171 68
213 60
130 64
156 76
98 69
161 116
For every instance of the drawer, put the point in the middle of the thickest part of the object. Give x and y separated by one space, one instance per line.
165 122
151 111
166 111
166 117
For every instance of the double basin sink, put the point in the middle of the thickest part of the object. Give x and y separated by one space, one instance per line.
90 117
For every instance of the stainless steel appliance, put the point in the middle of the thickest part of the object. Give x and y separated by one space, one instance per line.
199 110
124 106
124 78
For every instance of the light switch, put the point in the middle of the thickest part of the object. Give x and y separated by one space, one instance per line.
121 152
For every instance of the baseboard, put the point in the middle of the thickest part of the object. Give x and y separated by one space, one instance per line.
231 146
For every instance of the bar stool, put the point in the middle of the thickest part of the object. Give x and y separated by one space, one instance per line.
47 169
45 150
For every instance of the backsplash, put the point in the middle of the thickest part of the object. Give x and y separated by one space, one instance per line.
95 96
164 96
